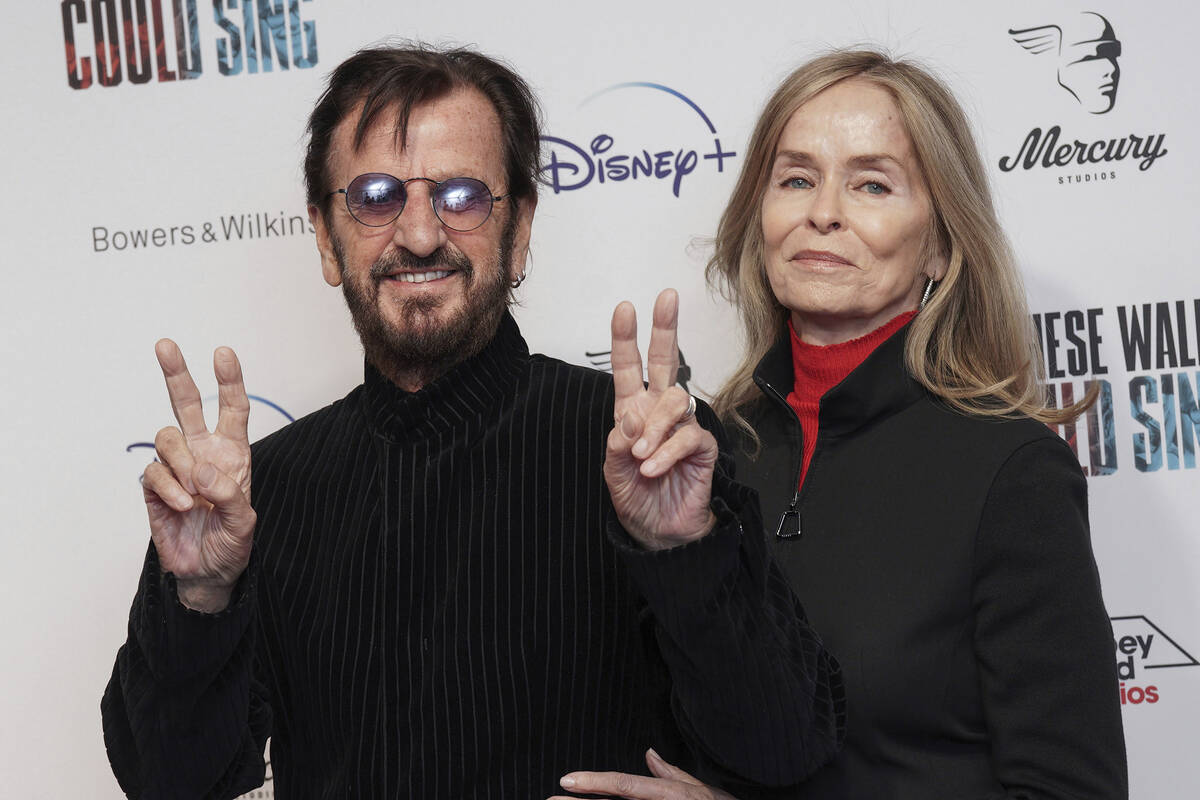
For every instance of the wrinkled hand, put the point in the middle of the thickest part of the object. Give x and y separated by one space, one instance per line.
670 783
659 464
198 491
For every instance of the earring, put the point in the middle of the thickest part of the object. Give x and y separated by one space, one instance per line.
520 279
929 284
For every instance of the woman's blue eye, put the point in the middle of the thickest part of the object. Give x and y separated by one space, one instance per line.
874 187
797 183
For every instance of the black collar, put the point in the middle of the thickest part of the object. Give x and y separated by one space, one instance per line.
467 391
878 387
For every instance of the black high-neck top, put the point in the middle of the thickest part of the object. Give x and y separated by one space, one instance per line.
441 605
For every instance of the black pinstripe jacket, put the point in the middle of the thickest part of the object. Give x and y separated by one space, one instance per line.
441 605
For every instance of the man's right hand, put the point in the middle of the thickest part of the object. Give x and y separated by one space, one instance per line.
198 491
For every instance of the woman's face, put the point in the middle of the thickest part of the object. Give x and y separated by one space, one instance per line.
845 214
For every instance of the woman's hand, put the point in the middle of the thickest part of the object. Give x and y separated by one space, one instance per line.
669 783
659 463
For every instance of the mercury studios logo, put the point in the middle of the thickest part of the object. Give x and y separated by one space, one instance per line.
1081 54
618 150
1142 646
109 42
1087 53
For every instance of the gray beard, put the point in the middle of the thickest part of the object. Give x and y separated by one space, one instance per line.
419 349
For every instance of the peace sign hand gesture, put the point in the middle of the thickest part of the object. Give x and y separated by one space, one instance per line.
659 463
198 491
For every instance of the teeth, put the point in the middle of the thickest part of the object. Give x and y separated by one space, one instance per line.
421 277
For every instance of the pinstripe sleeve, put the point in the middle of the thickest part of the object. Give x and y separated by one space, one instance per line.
752 686
183 715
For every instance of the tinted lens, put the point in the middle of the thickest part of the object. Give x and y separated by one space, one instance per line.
462 203
375 199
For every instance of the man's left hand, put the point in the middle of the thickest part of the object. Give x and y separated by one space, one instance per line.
659 463
670 783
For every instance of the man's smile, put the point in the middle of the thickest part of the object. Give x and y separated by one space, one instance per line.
420 277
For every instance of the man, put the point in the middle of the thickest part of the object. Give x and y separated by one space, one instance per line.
432 594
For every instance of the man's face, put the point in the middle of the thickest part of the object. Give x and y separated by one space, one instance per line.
423 296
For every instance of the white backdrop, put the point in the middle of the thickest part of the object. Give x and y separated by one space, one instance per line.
86 296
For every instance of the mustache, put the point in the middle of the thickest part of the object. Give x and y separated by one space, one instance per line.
407 260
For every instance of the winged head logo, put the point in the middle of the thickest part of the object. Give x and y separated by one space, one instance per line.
1087 50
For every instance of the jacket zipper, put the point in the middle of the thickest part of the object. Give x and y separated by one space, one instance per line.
789 521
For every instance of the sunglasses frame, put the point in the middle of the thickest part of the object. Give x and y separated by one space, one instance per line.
492 198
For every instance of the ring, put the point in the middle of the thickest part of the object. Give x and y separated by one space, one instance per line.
691 409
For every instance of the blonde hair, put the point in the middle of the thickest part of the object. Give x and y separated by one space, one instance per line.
974 344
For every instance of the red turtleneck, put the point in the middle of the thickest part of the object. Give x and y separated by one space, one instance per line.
818 368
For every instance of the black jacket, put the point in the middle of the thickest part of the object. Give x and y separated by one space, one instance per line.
435 609
946 563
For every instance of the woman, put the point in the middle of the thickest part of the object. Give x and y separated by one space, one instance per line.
891 415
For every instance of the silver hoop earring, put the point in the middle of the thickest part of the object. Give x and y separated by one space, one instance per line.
520 279
929 284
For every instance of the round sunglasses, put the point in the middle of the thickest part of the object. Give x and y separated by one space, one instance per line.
377 199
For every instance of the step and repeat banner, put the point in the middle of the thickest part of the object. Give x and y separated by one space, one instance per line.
152 155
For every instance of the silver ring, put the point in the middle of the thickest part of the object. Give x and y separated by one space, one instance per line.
691 409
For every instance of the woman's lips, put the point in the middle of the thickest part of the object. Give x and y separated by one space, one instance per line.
822 258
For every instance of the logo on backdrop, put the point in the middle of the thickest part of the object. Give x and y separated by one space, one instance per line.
1082 52
1142 646
142 41
1086 50
604 159
227 228
602 360
266 417
1160 350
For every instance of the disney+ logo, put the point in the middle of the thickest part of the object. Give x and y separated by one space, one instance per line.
572 166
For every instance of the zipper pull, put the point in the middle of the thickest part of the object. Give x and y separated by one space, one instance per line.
789 525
